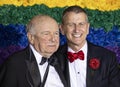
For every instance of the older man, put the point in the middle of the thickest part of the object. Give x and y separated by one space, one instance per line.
35 66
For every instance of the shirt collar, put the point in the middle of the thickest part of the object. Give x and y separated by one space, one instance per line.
84 48
37 55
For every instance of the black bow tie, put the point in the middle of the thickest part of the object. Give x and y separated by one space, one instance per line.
52 61
44 59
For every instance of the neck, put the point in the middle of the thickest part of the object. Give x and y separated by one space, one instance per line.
46 55
76 47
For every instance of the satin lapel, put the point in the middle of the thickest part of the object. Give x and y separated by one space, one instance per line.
65 64
33 70
66 71
61 75
91 74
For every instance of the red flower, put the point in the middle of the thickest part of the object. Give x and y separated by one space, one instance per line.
94 63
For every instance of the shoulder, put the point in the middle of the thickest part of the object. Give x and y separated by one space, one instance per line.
16 57
106 56
99 49
62 48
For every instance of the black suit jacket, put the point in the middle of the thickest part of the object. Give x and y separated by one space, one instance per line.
21 70
108 73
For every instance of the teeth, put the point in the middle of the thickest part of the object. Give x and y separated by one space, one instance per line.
76 35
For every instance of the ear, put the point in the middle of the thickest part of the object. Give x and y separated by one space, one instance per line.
30 37
61 29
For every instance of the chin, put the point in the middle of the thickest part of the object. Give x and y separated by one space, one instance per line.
51 50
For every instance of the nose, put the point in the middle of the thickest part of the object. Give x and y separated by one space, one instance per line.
52 37
77 28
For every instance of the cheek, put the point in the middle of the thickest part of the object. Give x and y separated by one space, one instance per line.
58 41
42 46
68 31
68 35
40 42
87 29
65 30
43 42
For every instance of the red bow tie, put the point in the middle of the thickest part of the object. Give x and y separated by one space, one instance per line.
73 56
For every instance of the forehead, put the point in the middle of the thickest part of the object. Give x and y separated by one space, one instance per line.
47 26
72 16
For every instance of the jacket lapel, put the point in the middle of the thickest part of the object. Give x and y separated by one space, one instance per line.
66 71
61 75
58 69
91 75
64 63
33 69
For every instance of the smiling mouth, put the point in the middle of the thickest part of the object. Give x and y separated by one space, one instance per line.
77 35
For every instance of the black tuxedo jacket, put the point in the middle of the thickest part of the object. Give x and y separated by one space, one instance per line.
108 73
21 70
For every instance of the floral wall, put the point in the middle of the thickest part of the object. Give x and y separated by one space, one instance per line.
104 16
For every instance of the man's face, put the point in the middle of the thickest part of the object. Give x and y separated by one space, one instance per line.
76 27
46 37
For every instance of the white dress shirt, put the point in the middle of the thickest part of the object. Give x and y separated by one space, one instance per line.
53 79
78 68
